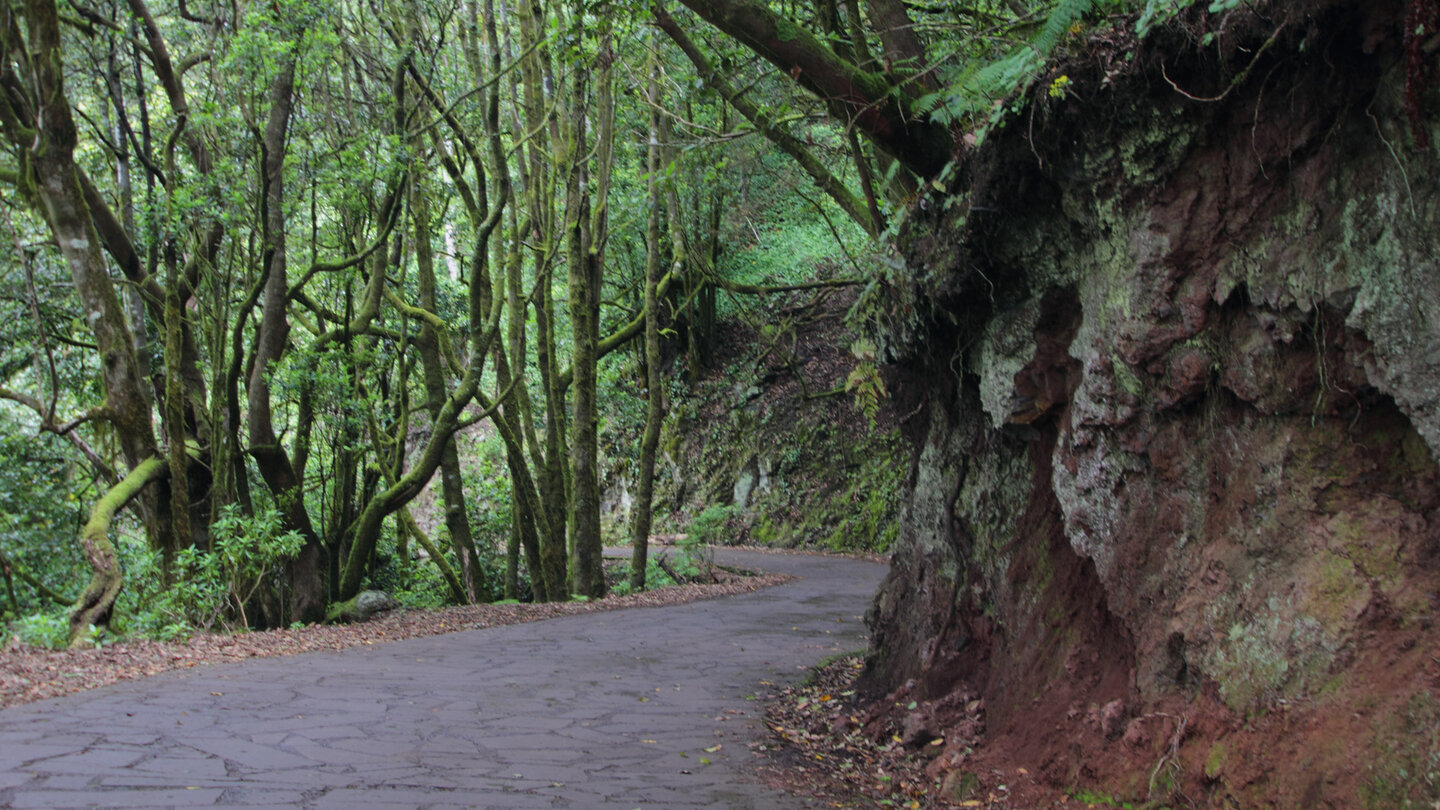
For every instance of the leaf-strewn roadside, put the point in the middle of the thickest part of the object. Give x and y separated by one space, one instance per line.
29 674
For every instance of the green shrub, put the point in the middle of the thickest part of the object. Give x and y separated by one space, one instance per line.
48 630
250 553
208 589
709 527
655 577
194 600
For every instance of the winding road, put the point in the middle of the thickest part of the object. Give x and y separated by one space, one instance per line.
637 708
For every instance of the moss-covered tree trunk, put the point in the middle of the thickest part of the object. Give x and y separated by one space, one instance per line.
485 304
93 607
586 226
654 407
527 513
550 158
547 516
515 416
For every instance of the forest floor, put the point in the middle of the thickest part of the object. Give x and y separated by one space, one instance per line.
832 743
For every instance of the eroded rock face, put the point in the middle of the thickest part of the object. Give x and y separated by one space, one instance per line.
1189 468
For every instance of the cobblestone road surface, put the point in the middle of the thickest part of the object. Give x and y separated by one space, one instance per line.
612 709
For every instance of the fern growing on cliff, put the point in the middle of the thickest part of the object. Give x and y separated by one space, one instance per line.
979 92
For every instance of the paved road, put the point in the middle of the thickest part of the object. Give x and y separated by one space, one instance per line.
613 709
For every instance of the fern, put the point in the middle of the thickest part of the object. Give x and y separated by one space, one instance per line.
1061 18
978 89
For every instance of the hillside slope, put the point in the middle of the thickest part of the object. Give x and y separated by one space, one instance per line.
768 447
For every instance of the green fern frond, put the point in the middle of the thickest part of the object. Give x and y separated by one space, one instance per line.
981 84
1062 17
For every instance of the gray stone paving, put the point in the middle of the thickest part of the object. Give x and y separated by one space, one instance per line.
606 710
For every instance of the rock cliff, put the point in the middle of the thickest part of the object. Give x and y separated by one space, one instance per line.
1170 349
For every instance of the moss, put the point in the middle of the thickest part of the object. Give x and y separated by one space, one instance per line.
764 532
1332 592
1144 152
819 475
340 611
1217 759
786 31
1415 456
867 516
671 433
1268 652
1251 668
1405 771
1127 379
995 482
1376 556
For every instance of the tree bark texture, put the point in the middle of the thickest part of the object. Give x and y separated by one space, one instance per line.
585 233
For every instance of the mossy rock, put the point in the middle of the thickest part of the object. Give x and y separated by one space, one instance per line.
361 608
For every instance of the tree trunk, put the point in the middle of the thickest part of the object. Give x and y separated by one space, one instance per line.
484 307
654 407
93 607
904 52
49 149
868 100
306 572
457 518
585 235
